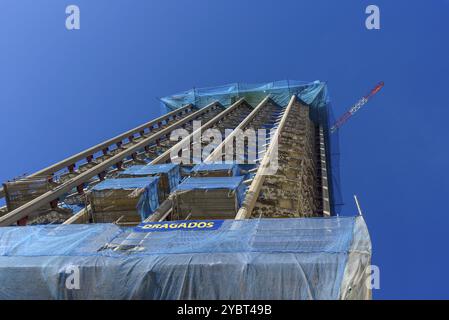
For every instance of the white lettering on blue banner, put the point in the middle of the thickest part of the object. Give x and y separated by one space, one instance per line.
187 225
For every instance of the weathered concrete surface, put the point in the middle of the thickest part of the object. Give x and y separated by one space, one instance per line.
293 190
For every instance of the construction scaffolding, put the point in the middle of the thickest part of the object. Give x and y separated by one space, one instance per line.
247 221
312 95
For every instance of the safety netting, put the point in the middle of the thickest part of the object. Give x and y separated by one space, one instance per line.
297 258
314 94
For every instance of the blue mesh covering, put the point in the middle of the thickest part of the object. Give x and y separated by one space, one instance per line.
232 167
54 240
171 169
148 201
314 94
312 258
207 183
280 91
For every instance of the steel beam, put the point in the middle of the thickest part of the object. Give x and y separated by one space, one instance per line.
108 143
26 209
218 152
78 217
255 187
324 176
166 155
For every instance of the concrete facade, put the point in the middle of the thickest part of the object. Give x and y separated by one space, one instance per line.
293 190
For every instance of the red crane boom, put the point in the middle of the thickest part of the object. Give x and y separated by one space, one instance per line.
356 107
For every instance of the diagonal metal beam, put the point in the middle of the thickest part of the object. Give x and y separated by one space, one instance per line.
166 155
218 152
51 195
91 151
166 206
79 217
255 187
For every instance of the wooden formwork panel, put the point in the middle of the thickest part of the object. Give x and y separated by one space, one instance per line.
115 199
19 192
210 204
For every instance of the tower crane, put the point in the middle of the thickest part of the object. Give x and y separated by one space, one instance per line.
348 114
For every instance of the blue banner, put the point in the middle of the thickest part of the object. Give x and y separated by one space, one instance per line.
184 225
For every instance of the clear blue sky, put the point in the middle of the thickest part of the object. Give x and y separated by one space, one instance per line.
62 91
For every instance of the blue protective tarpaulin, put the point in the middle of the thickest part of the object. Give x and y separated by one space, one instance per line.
171 169
299 258
149 199
125 183
211 183
219 166
207 183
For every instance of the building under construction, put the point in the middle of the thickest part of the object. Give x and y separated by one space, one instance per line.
185 206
